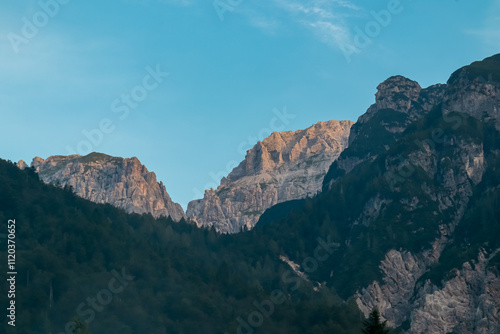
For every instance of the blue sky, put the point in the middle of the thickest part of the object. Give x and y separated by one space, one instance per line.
233 66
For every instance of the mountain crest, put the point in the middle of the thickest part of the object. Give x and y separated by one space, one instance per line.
475 90
124 183
284 166
397 93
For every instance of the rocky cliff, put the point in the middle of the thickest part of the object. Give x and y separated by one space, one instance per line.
428 290
414 202
408 221
285 166
399 101
475 89
124 183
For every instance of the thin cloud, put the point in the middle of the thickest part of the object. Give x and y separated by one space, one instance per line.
347 4
181 3
265 24
489 32
489 36
326 19
335 35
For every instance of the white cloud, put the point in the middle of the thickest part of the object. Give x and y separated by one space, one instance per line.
326 19
332 34
346 4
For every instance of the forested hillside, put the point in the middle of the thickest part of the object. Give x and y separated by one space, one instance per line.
185 279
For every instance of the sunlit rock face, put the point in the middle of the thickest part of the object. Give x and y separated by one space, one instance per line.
124 183
284 166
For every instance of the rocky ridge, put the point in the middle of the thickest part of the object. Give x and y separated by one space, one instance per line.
413 202
467 299
124 183
399 101
285 166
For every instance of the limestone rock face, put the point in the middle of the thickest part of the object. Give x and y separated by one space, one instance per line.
22 165
478 96
466 303
124 183
401 95
403 269
471 297
285 166
396 93
399 101
467 300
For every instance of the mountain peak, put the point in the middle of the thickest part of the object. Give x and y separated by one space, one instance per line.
395 91
284 166
486 71
399 80
22 165
475 90
101 178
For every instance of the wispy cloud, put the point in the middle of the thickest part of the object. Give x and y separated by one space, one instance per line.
182 3
326 19
336 35
489 32
264 23
489 36
317 8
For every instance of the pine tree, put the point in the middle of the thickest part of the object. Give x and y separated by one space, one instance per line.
373 325
80 327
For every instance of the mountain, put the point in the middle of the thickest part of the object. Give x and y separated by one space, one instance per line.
124 183
417 218
130 273
284 166
411 227
399 101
